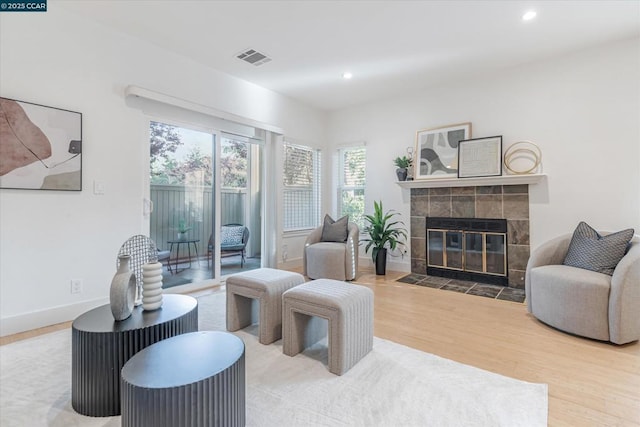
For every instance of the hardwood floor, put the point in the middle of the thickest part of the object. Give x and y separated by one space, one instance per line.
590 383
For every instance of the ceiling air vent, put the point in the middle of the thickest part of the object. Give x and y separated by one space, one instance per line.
253 57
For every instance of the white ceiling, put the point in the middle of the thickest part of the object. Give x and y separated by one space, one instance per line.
391 47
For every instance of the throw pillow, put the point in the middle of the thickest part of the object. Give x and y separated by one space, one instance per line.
335 231
231 235
591 251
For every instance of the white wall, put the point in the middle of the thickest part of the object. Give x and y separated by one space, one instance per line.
47 238
583 110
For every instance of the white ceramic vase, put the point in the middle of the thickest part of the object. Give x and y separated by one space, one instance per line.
152 286
122 293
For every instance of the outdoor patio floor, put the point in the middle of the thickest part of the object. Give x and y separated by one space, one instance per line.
199 271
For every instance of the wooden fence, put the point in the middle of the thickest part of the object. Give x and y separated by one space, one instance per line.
193 205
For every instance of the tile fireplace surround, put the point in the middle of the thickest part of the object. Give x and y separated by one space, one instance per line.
510 202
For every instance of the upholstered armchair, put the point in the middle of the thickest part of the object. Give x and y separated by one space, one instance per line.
583 302
331 259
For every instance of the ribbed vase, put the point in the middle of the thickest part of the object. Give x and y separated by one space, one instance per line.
152 286
122 293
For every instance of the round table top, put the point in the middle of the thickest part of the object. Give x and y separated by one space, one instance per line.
183 241
183 359
100 319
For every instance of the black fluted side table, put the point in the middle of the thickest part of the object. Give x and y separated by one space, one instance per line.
195 379
101 346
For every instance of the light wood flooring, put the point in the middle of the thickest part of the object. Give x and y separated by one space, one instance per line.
590 383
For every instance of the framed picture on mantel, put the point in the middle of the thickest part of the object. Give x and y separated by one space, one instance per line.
480 157
437 151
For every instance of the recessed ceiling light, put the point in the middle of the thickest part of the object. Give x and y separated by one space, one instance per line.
347 75
529 15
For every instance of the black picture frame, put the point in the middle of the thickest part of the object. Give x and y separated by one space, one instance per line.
480 157
40 147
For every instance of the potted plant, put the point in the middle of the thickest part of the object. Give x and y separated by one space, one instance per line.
384 233
182 229
403 164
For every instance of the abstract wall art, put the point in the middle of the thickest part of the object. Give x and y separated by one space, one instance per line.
437 151
40 147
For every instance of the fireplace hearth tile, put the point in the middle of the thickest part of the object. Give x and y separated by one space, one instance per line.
516 189
419 205
440 206
411 279
489 206
516 206
518 257
518 231
418 226
463 191
485 290
463 206
489 189
436 280
440 191
419 248
458 286
428 284
512 294
419 192
461 286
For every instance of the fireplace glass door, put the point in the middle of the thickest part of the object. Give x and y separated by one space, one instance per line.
495 254
477 252
473 254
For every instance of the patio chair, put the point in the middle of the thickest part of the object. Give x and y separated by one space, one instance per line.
233 241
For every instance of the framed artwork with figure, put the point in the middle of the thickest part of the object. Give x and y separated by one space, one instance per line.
437 151
40 147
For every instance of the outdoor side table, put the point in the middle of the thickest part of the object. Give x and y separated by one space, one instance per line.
101 346
195 379
177 243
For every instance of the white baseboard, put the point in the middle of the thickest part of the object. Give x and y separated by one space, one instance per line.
51 316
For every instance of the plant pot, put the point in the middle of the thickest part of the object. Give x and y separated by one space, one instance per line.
401 173
381 262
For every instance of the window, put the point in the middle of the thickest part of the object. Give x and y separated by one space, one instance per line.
351 183
301 187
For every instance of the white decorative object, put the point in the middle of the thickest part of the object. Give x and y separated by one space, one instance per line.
152 286
122 293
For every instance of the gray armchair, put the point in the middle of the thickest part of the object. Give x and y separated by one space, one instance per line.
331 260
583 302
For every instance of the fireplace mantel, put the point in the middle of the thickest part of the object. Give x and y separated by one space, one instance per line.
473 182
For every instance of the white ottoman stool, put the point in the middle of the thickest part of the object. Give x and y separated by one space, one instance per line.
349 311
265 285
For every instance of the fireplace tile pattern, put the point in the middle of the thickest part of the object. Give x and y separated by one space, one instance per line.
510 202
469 288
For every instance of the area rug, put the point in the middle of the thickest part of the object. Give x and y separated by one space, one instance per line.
393 385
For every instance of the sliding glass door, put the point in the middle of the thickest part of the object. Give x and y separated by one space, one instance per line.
240 204
182 184
205 192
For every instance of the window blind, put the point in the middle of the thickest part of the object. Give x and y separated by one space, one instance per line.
352 181
301 187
